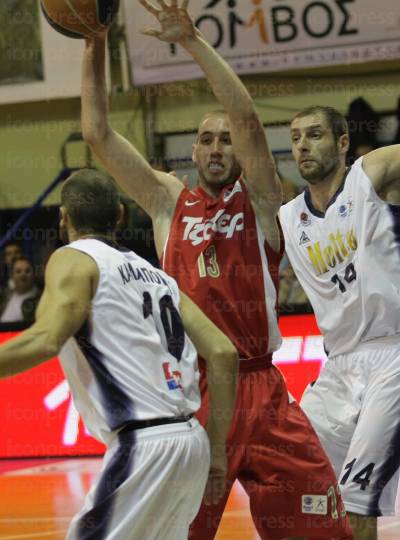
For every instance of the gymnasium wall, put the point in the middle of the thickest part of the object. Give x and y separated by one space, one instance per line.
31 134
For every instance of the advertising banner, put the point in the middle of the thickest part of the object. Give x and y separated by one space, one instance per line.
38 417
36 62
269 35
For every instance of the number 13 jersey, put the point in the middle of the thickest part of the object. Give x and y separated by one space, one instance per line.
347 261
217 253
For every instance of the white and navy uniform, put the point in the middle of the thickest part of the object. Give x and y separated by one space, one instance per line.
134 379
348 262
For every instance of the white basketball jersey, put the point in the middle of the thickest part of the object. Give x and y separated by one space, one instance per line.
131 360
348 261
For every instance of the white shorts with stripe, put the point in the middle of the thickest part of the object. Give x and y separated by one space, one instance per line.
354 407
150 487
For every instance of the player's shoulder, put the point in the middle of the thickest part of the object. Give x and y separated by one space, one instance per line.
356 173
67 262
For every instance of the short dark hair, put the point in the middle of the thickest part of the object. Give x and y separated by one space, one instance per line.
92 201
336 121
18 259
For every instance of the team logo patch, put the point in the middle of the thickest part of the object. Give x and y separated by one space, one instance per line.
346 209
304 239
173 379
305 219
314 504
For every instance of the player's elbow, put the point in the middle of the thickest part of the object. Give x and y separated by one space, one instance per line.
224 359
249 120
95 133
52 347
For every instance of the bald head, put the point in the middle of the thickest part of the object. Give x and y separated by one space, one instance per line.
211 115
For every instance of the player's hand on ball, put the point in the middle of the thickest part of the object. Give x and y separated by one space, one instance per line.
176 24
216 484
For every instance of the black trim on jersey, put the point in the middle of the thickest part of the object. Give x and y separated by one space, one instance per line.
118 406
108 242
389 467
311 207
395 211
94 524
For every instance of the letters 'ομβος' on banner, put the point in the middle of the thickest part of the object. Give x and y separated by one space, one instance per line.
269 35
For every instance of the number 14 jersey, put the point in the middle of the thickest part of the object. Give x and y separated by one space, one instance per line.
347 261
217 253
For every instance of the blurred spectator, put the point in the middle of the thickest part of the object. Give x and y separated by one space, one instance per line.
363 126
19 304
289 190
292 298
12 251
362 150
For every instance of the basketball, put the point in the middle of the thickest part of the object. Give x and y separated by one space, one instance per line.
79 18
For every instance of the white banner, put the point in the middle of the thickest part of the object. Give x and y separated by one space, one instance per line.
269 35
48 68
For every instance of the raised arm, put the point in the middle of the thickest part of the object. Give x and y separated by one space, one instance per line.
222 365
64 306
383 168
247 132
155 192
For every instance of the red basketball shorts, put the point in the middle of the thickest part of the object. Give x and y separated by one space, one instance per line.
275 454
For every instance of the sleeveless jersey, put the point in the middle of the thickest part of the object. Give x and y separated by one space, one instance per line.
131 360
218 254
347 261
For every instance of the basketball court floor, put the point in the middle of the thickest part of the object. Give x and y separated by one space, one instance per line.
39 497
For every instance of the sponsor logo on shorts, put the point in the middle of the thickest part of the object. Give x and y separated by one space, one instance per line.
314 504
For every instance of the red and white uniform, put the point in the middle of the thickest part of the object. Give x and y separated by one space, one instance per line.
218 254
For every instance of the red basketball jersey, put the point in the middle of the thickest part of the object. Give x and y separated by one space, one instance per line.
217 252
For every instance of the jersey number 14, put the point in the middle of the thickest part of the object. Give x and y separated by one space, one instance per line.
350 275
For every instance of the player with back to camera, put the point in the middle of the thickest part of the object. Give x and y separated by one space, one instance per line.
132 372
221 242
344 245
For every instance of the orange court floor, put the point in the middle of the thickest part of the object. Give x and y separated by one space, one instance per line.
39 497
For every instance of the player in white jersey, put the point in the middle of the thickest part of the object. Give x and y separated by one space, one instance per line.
343 242
133 373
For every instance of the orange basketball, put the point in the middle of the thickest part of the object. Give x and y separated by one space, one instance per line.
79 18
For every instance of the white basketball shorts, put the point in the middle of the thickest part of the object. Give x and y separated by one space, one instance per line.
354 407
150 487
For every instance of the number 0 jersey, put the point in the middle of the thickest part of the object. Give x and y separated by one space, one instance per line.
348 261
217 253
131 360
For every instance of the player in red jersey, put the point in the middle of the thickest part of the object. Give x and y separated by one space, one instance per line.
223 245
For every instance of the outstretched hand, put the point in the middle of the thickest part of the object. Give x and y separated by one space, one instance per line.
176 24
